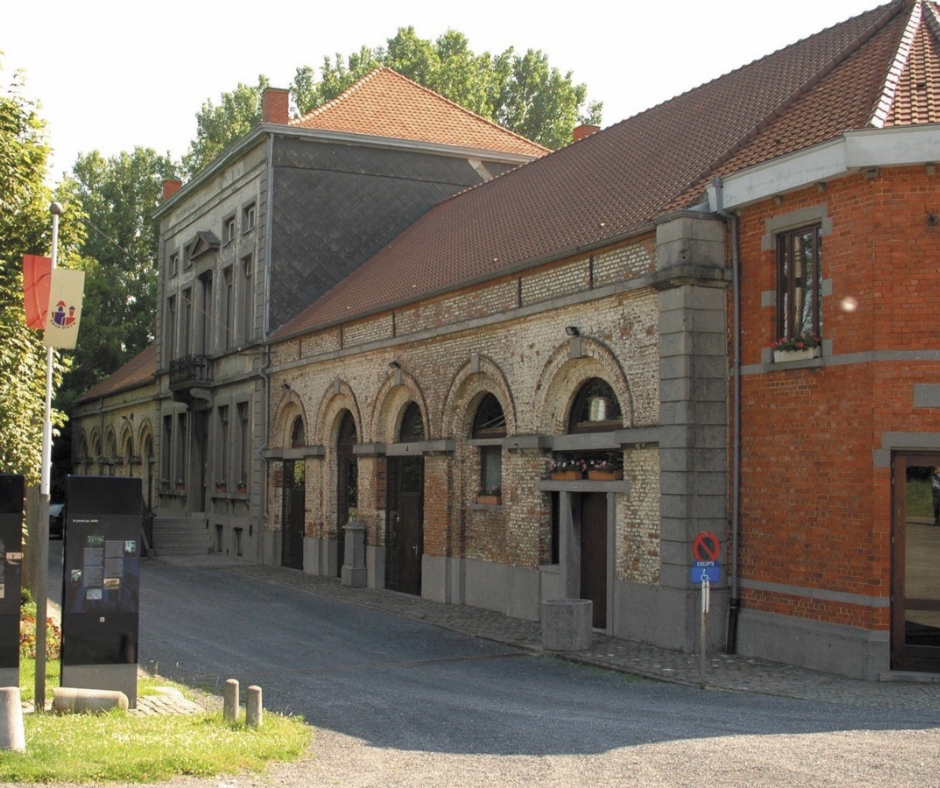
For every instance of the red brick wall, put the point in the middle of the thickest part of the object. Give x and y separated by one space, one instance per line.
815 511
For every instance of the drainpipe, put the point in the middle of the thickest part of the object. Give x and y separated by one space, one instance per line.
734 604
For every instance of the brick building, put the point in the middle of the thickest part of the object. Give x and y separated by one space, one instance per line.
614 304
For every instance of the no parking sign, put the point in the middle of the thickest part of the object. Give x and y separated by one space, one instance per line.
705 549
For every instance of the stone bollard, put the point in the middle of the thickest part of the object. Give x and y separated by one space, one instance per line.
566 624
253 707
12 733
354 573
79 700
230 701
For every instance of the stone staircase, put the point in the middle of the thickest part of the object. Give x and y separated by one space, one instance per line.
180 536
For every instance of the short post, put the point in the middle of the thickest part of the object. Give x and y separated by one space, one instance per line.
12 733
706 593
253 707
230 701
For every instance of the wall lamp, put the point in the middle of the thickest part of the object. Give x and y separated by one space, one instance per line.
394 365
285 386
572 331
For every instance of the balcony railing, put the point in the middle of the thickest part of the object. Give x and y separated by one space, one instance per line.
187 373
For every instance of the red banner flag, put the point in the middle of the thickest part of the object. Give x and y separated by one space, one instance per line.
37 280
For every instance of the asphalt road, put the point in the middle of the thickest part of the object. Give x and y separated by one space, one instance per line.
401 703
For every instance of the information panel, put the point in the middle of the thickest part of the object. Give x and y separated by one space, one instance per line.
12 490
101 583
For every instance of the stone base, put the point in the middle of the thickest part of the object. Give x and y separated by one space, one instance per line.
566 624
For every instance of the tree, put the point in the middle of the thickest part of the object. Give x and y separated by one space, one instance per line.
25 228
219 125
117 196
524 93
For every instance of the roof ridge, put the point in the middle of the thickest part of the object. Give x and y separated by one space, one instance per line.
432 93
933 19
889 11
888 93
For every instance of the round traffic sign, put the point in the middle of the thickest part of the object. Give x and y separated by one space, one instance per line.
706 547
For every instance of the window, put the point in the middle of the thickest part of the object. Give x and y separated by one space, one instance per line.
186 321
297 440
412 425
204 340
596 408
489 423
179 460
166 458
243 324
173 264
244 443
223 450
228 230
799 278
228 308
248 218
170 333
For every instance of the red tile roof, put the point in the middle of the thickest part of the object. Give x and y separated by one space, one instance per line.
136 373
617 181
385 104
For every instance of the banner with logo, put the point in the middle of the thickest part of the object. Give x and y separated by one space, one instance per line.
65 308
37 272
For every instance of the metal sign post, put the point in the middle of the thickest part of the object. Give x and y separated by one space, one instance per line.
706 594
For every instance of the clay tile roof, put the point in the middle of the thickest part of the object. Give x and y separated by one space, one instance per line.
617 181
385 104
137 372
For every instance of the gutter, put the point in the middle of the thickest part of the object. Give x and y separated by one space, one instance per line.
734 603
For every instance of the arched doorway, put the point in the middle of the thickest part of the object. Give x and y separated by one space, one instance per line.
294 503
404 528
595 409
347 483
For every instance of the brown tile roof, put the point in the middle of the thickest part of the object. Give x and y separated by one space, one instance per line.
385 104
137 372
617 181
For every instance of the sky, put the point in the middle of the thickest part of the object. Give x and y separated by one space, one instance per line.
114 75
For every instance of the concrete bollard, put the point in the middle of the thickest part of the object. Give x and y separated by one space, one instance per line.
253 707
230 701
566 624
12 733
79 700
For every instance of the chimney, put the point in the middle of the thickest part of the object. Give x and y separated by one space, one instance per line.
584 130
170 187
275 106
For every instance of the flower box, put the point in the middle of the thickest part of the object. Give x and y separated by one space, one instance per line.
806 354
566 476
605 476
221 488
490 500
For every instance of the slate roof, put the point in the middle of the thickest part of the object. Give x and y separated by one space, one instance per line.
136 373
877 69
385 104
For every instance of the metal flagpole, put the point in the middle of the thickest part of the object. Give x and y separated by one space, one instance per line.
42 531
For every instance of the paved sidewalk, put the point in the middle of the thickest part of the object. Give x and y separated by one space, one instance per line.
724 672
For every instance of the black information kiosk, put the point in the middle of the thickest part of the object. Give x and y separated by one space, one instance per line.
101 583
11 553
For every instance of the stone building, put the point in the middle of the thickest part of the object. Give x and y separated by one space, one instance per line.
612 306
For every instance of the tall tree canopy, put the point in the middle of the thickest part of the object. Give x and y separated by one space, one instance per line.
117 196
524 93
25 228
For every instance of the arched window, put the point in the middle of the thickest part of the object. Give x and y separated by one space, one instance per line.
412 425
595 409
489 424
297 439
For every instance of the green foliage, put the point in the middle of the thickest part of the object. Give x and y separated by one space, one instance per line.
123 747
524 92
219 125
117 197
25 228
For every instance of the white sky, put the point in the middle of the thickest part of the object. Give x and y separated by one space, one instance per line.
113 75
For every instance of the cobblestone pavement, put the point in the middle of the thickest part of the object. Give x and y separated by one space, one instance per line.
724 672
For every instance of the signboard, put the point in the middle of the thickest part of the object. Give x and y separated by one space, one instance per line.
11 554
706 548
101 583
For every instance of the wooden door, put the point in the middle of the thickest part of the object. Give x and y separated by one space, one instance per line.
594 554
293 515
404 529
915 609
